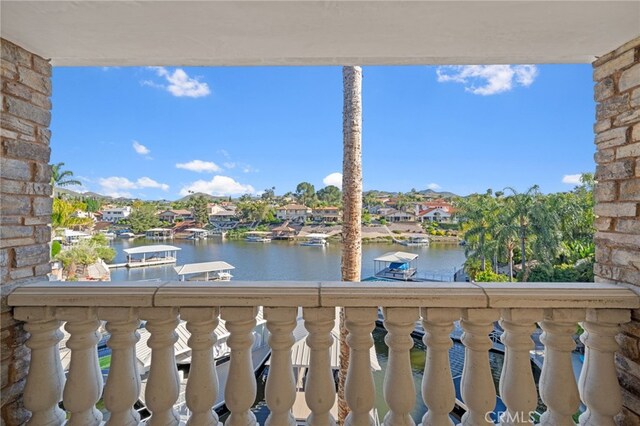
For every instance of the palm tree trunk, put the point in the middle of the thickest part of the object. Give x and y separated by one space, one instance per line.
510 264
352 207
522 248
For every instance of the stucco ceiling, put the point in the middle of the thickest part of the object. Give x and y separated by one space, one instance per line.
318 32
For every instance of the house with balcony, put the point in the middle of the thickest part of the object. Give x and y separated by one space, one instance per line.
293 212
330 214
177 215
435 211
115 214
38 35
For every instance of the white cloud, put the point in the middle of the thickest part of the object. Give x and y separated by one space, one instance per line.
229 164
572 179
140 149
117 186
488 79
146 182
218 185
179 83
199 166
433 186
334 179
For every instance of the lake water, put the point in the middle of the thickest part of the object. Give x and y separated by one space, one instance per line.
282 260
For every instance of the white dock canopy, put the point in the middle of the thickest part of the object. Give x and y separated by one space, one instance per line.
201 268
150 249
318 236
397 257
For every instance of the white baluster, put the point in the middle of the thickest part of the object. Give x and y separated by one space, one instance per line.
202 386
163 386
517 387
84 381
477 388
438 392
399 390
598 384
123 382
320 392
558 388
240 390
359 386
45 379
281 388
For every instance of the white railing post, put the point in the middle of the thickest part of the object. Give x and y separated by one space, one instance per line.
123 382
438 392
359 386
281 388
240 390
84 381
45 379
320 392
202 385
163 386
558 389
477 388
598 382
517 387
399 389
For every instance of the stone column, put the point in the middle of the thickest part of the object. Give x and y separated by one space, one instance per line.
25 204
617 195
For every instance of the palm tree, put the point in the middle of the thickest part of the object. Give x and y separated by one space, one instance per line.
507 233
477 214
352 210
61 177
522 207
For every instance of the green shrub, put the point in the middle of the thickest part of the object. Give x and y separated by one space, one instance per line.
488 276
55 248
565 273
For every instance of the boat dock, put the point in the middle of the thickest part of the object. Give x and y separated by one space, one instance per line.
151 256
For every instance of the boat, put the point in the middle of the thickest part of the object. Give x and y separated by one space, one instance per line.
315 240
126 234
415 241
197 233
205 271
110 235
258 237
151 255
158 234
400 266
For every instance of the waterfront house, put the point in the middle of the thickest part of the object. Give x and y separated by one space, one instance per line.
293 212
114 214
394 216
177 215
435 211
37 35
218 214
329 214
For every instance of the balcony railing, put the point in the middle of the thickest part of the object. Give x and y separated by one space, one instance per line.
557 308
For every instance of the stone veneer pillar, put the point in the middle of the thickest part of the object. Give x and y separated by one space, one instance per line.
25 205
617 196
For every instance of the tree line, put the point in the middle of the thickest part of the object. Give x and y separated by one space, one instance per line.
549 235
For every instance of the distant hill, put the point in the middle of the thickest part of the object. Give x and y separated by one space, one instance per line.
207 196
425 192
432 193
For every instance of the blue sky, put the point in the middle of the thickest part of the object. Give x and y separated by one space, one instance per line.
160 132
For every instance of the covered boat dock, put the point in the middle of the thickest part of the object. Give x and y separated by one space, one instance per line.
205 271
151 255
158 234
397 265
